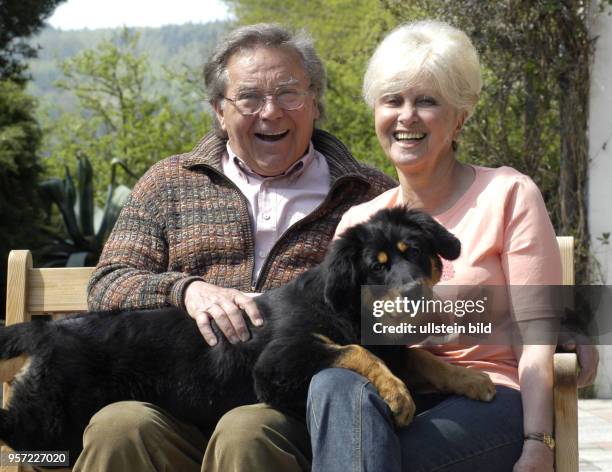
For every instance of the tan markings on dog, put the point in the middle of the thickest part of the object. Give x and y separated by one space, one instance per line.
402 246
435 271
382 257
426 371
426 282
15 367
390 388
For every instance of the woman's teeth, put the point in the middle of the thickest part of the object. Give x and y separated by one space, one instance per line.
408 136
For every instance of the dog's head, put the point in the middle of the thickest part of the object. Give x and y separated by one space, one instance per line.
396 247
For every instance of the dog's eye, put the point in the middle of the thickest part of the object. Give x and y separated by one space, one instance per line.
413 252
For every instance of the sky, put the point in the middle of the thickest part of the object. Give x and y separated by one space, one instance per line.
93 14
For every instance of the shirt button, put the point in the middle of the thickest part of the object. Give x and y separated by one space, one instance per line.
266 217
262 254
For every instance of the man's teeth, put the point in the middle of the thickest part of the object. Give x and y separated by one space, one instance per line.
272 136
402 135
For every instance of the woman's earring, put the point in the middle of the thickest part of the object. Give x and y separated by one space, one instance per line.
455 141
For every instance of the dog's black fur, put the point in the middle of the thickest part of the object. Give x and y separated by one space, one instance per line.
78 365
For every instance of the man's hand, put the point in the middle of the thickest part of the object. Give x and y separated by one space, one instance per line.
205 301
588 359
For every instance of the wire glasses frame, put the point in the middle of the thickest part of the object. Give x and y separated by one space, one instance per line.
251 103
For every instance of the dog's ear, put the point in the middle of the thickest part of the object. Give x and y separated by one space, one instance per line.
341 274
443 242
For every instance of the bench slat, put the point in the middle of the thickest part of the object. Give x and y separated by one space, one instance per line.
58 290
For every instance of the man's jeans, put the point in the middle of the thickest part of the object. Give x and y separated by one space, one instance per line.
352 430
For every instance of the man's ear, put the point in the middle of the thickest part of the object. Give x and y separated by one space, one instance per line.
342 287
220 113
317 112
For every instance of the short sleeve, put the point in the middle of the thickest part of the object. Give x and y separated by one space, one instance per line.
530 256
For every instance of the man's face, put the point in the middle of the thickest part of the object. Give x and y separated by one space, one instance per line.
271 140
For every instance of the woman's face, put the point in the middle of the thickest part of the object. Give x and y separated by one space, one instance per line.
416 127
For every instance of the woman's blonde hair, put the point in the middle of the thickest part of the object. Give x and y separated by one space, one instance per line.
426 52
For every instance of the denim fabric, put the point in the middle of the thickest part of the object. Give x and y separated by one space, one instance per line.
351 429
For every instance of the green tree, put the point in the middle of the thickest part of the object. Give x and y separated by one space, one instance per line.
20 136
118 115
20 19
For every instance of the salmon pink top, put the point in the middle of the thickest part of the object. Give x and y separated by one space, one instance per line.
506 238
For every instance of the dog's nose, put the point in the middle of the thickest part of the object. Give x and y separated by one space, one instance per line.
415 290
402 272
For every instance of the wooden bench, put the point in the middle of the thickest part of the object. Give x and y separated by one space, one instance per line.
32 292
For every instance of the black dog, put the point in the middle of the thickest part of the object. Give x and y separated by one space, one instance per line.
74 367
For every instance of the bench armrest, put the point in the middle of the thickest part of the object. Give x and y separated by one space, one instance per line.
566 412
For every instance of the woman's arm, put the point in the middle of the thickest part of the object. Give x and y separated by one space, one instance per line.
531 258
536 381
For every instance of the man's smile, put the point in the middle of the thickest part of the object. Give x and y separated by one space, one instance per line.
272 137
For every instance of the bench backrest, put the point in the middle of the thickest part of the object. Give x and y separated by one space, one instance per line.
33 292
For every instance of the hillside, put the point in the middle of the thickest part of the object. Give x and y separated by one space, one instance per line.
173 47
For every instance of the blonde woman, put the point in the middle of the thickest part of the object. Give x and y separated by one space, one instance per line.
423 83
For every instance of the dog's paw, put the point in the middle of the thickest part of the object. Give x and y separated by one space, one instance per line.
476 385
398 398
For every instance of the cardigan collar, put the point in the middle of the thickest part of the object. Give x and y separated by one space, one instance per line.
209 151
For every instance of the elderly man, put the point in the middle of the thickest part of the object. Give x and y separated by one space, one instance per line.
252 206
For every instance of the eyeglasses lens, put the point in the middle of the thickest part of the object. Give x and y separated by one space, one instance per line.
252 103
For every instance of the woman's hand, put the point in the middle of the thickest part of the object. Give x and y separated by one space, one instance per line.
205 301
588 359
536 457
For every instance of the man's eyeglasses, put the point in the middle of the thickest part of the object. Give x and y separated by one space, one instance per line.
251 102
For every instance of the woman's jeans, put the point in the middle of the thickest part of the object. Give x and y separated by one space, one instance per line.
351 429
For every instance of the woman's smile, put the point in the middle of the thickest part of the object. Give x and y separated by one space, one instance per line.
416 125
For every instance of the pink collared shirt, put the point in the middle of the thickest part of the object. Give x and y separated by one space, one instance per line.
276 203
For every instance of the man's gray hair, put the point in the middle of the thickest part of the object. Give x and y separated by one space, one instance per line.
265 35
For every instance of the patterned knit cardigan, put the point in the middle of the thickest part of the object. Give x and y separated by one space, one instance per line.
186 221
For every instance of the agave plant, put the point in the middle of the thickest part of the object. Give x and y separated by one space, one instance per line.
86 225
